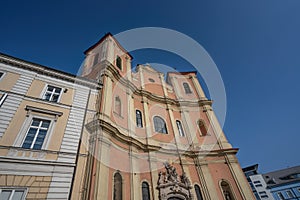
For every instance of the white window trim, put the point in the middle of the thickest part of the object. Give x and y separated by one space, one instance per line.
289 192
141 119
15 188
279 195
190 88
2 99
181 127
4 73
154 131
230 186
52 117
45 90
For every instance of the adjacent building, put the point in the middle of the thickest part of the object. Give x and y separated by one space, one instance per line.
285 183
278 185
257 183
42 113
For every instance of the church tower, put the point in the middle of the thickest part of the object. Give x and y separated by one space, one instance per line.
154 138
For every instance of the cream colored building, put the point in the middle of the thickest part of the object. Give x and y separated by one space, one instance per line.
42 113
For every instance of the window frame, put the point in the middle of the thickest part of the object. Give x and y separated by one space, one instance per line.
180 128
13 189
3 74
119 59
140 119
114 184
3 98
187 88
148 188
280 195
95 59
204 125
200 194
118 112
52 117
289 193
36 134
46 89
165 125
231 191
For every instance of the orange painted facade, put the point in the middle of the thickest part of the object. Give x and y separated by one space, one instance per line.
138 152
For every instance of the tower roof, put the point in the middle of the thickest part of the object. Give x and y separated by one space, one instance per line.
107 35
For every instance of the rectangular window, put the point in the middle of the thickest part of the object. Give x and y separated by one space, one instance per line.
52 93
280 195
1 75
36 134
258 185
2 98
263 192
96 59
12 194
289 194
256 182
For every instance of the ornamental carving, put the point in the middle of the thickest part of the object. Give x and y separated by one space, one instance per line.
173 186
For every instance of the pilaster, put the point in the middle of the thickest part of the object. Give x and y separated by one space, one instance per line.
199 89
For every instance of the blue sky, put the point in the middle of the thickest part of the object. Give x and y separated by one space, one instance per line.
255 45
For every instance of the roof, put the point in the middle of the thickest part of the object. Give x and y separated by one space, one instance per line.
182 73
281 177
4 58
102 39
250 168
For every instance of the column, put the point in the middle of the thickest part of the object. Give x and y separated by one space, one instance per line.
224 144
128 67
198 87
107 96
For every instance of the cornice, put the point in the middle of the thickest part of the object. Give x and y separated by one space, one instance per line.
16 62
113 73
114 132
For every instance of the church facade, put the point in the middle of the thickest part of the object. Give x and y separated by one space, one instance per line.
111 133
154 137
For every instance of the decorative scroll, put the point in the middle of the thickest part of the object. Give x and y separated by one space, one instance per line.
172 186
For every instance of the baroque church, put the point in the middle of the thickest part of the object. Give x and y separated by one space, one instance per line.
111 133
155 137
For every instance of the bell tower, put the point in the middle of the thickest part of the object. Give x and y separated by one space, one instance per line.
107 52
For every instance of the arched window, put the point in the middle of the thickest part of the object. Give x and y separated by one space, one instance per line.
198 192
117 186
160 125
202 127
119 62
145 191
180 129
139 119
226 191
118 105
187 88
96 59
